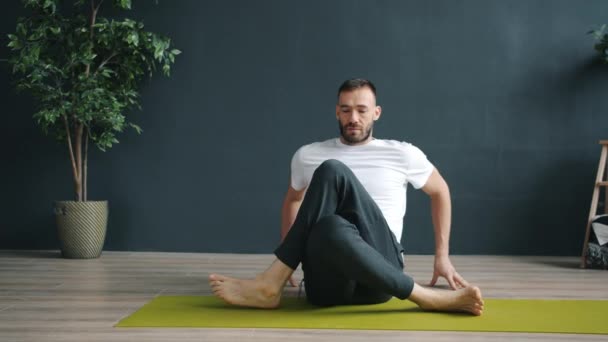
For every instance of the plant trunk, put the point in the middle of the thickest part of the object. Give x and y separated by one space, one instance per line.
84 166
73 158
78 177
76 157
79 164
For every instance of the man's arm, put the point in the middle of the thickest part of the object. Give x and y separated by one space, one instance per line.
291 205
441 211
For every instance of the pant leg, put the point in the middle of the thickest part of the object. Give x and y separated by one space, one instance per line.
334 190
341 268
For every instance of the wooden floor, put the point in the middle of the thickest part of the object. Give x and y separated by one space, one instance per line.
46 298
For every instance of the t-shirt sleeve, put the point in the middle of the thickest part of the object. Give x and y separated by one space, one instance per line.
298 180
418 167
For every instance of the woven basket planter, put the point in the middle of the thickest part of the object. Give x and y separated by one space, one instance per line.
82 228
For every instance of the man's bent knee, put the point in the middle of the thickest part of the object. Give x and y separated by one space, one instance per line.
330 167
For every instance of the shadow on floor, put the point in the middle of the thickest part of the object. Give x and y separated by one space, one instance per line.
30 254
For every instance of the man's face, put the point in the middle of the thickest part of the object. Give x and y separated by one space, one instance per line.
356 112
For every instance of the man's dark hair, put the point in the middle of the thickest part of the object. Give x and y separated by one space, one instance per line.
356 83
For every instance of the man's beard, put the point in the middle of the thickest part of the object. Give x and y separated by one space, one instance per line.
367 131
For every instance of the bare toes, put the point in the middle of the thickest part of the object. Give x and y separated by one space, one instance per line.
217 277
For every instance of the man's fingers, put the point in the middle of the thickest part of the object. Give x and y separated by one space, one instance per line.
292 282
452 282
461 280
434 280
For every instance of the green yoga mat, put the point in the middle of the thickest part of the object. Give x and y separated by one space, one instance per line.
504 315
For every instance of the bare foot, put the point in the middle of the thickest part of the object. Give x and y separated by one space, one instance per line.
463 300
257 293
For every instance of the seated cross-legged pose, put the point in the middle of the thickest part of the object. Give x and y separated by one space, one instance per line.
343 218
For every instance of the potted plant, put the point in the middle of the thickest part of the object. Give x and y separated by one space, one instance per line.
83 70
601 41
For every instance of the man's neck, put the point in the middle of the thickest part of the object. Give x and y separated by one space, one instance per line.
364 142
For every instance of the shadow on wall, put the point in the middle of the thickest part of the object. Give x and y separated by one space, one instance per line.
590 73
554 201
575 88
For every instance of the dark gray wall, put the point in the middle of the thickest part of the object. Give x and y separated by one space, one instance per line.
503 96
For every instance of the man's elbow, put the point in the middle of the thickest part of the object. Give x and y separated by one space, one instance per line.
441 190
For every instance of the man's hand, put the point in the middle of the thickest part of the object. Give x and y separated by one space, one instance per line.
292 282
444 268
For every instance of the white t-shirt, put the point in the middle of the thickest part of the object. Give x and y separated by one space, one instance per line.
384 167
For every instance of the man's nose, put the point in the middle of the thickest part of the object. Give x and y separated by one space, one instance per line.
354 118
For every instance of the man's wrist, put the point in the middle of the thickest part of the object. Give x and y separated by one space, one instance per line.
442 255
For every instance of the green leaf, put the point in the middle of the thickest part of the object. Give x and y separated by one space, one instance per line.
49 5
21 30
14 43
137 128
128 23
124 4
175 52
133 38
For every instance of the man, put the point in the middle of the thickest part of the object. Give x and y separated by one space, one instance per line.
345 231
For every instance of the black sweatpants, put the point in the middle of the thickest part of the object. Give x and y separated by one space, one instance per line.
348 253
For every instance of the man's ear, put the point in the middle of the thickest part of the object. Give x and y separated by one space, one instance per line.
377 113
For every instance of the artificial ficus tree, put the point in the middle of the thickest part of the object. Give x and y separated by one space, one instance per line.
601 41
84 71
